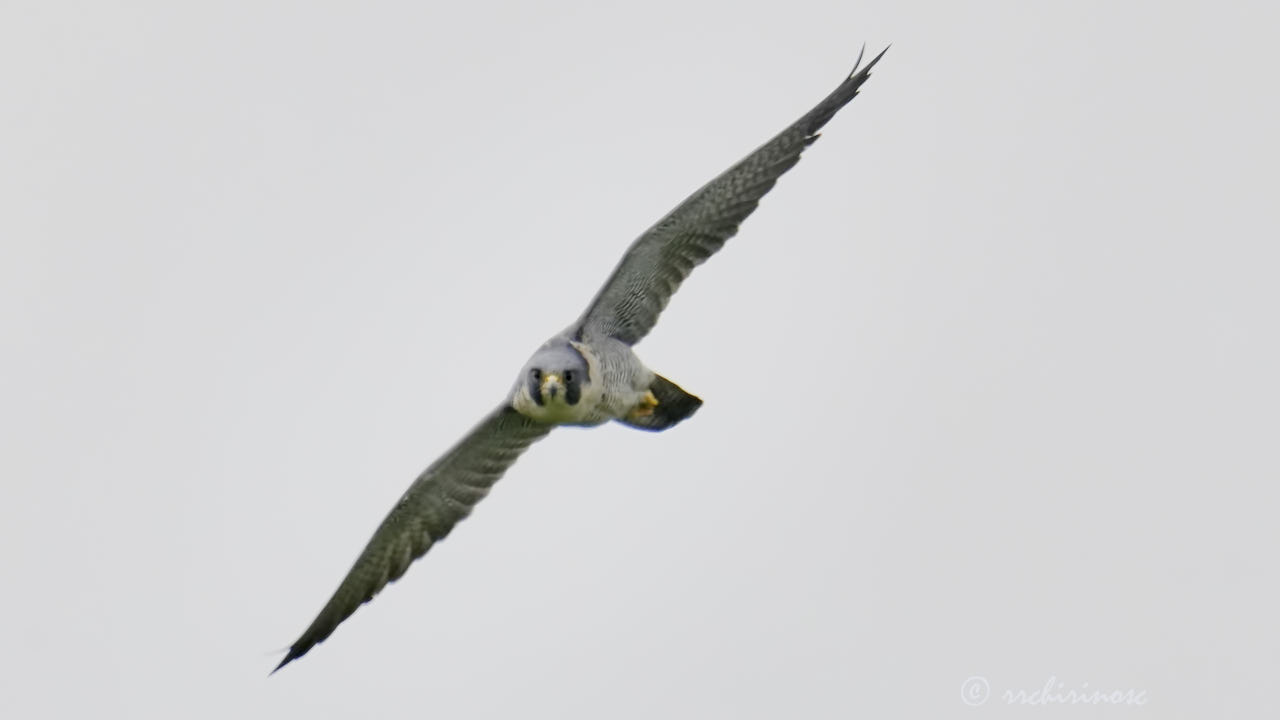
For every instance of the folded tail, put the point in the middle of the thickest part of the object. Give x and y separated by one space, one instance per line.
673 406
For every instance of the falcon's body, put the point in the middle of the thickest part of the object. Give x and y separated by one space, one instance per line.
586 375
589 382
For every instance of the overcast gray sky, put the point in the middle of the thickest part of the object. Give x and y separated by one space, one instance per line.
990 377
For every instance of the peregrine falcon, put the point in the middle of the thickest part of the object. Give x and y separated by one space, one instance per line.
585 375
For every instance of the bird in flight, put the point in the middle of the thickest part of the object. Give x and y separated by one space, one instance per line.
585 375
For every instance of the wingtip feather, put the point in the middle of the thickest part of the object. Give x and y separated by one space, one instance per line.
858 63
875 59
288 658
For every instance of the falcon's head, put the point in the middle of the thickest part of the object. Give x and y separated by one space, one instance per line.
551 384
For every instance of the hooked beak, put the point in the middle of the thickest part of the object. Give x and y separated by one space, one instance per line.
551 385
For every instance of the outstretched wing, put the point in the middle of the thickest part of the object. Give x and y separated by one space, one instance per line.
442 495
628 305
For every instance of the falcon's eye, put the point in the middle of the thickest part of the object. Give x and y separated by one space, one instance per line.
536 374
568 376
